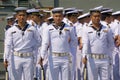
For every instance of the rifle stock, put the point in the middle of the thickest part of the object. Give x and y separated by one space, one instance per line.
6 74
42 73
85 71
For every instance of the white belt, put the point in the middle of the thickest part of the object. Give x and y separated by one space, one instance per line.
22 54
98 56
60 54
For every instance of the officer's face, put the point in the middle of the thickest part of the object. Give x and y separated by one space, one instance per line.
35 18
10 21
73 18
21 16
58 17
95 17
118 18
109 19
112 18
87 19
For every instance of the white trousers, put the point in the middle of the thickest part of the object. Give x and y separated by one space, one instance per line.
102 67
58 68
78 64
98 69
22 68
116 64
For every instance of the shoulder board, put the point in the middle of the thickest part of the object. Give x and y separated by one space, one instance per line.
105 31
29 30
66 30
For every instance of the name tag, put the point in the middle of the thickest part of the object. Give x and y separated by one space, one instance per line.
51 29
90 32
13 32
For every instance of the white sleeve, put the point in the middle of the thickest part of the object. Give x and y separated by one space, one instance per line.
110 40
45 42
85 41
115 29
37 37
8 45
80 32
73 41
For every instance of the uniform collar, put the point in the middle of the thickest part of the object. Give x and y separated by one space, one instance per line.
25 27
7 27
103 22
58 27
76 24
91 25
61 27
73 24
85 24
106 24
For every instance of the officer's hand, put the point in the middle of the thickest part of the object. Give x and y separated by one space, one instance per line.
84 60
80 47
5 64
69 40
41 61
110 60
116 37
117 42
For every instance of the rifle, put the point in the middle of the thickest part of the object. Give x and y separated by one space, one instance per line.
6 74
6 71
42 73
85 71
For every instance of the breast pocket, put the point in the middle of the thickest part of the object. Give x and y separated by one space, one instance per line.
92 37
28 35
65 34
54 34
16 35
103 36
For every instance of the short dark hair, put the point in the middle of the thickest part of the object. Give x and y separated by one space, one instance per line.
116 16
104 16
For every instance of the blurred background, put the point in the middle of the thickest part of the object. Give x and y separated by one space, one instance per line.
7 8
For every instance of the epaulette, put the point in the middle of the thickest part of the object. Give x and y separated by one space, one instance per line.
105 31
66 30
29 30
